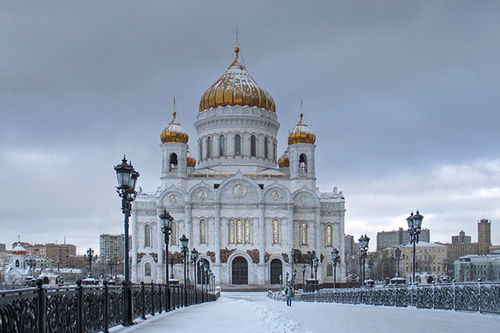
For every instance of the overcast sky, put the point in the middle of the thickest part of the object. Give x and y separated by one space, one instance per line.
403 96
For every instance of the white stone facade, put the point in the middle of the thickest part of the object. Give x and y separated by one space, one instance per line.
237 204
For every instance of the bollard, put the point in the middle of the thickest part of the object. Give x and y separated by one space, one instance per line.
41 311
80 306
106 307
143 300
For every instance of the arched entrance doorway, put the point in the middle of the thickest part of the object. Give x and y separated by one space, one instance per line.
276 271
200 276
240 271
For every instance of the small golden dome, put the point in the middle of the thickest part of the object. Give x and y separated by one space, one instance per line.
301 133
236 87
174 132
19 249
284 160
191 161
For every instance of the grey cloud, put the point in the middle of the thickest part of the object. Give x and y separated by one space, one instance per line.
387 86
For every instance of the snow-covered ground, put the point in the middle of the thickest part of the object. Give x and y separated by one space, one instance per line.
255 313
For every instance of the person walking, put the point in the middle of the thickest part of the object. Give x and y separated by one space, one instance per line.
290 293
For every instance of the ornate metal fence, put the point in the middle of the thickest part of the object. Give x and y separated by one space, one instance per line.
82 309
481 297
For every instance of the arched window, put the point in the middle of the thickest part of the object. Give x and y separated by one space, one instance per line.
303 164
147 235
266 148
200 148
274 151
253 146
303 233
276 232
237 145
203 232
173 234
209 147
147 269
222 145
248 232
329 269
17 262
239 231
231 232
329 235
172 162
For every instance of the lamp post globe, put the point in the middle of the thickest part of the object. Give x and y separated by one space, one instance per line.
126 177
335 259
364 240
414 227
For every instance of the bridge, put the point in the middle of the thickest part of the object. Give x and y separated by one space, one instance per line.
95 309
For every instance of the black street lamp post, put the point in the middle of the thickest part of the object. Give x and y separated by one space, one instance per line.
127 179
292 260
172 268
363 250
335 260
166 228
184 248
304 266
414 227
316 263
397 253
89 257
194 257
311 255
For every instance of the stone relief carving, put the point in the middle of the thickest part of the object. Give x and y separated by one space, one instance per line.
254 254
304 199
172 198
276 195
211 254
141 255
285 257
224 254
202 195
239 191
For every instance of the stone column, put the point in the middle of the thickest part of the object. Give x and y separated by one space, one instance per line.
160 246
289 241
217 242
187 223
133 232
317 240
262 233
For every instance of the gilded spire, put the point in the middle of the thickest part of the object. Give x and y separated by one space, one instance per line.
236 87
174 131
301 132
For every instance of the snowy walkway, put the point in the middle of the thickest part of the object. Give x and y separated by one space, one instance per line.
255 313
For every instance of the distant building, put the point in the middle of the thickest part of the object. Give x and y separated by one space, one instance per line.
112 246
58 254
80 262
398 237
2 248
349 245
431 260
473 267
461 238
459 249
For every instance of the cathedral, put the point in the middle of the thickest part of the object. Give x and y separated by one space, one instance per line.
252 215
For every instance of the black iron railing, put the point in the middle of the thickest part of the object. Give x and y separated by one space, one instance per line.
88 308
480 297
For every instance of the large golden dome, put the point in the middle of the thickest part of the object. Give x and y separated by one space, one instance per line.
236 87
301 133
174 132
